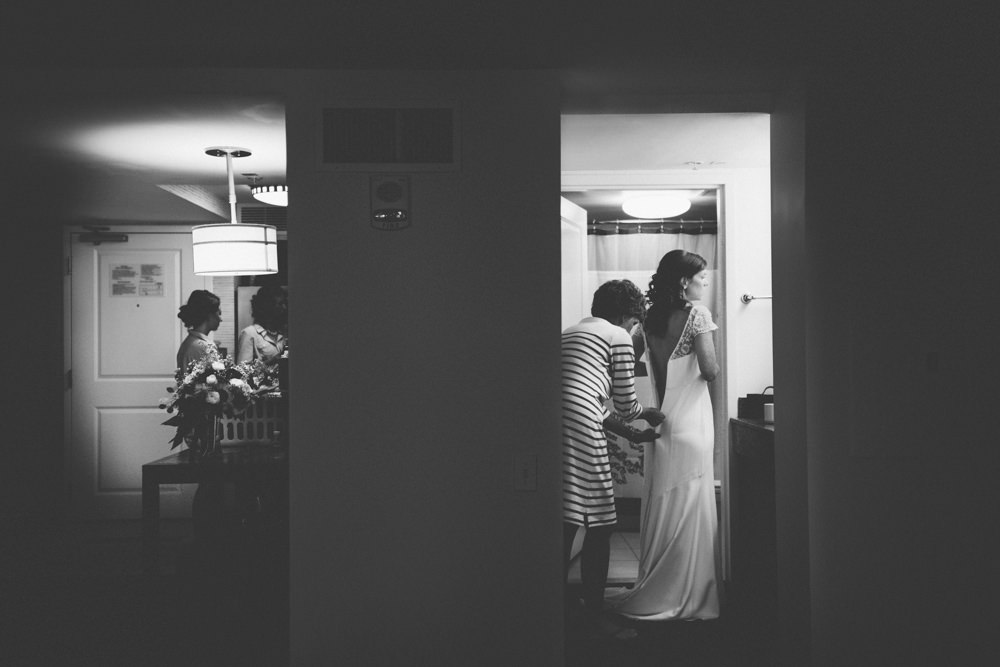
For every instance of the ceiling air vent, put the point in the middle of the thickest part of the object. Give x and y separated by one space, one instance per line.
264 215
412 138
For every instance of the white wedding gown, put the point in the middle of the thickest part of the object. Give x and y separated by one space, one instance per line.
678 565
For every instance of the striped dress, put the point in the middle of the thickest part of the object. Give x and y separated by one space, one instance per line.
598 363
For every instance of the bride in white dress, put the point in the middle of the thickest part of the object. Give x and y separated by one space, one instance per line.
679 560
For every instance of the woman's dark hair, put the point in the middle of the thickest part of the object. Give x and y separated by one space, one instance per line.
201 305
269 307
665 292
617 299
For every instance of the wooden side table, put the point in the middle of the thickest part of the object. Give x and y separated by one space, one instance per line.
240 464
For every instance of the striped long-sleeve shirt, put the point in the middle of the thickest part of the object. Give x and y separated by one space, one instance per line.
598 364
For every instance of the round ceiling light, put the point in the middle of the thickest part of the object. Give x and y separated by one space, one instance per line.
656 205
275 195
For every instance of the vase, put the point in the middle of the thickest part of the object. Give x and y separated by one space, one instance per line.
204 440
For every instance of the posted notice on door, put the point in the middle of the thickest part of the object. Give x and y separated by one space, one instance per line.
132 280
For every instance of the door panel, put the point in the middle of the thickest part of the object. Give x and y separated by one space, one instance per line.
124 335
119 462
137 293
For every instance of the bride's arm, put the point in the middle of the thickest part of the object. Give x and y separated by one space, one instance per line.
704 347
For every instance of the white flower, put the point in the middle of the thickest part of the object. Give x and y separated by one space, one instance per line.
218 366
212 397
211 379
236 382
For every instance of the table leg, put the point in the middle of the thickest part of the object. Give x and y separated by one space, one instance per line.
150 524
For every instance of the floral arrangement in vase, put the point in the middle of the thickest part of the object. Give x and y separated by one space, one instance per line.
211 388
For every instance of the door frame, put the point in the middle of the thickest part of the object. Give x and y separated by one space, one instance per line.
781 92
724 181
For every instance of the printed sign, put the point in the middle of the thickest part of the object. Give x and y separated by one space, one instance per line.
137 280
151 280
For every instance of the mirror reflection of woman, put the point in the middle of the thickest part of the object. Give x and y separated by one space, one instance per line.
679 542
265 339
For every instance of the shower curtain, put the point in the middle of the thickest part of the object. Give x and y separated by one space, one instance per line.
635 256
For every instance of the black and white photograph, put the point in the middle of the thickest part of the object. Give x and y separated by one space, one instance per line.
625 334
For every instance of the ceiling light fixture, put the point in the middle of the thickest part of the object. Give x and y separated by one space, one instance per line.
232 248
653 205
275 195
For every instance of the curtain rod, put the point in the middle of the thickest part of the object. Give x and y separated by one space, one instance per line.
693 227
654 221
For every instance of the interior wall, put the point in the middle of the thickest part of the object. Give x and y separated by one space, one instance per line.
747 249
900 335
32 485
424 361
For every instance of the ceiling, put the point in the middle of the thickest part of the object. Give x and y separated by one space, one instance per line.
141 158
605 205
641 142
668 144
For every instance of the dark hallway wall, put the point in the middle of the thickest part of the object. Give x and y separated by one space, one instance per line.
899 343
425 361
32 487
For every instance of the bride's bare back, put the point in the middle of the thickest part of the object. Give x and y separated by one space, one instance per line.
661 347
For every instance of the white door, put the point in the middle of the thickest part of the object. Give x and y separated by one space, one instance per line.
575 300
123 334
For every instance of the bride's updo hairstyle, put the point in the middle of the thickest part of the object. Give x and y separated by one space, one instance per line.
201 305
666 293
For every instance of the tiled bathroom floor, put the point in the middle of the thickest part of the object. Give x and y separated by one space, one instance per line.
624 565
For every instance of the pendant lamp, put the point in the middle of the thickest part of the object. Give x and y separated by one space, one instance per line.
232 248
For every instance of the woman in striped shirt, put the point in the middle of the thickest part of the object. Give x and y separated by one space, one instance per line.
598 363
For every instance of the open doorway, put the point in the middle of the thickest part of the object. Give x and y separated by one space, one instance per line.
721 164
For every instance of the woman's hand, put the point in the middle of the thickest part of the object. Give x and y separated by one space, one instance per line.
653 416
615 425
647 435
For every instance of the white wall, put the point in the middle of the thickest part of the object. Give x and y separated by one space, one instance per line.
747 251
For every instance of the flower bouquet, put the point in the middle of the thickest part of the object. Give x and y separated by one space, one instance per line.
208 389
625 453
621 462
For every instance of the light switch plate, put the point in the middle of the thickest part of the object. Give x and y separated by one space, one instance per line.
525 472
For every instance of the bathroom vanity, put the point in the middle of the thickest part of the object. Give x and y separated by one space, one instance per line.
753 548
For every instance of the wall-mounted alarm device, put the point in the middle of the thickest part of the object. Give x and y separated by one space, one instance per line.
390 202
